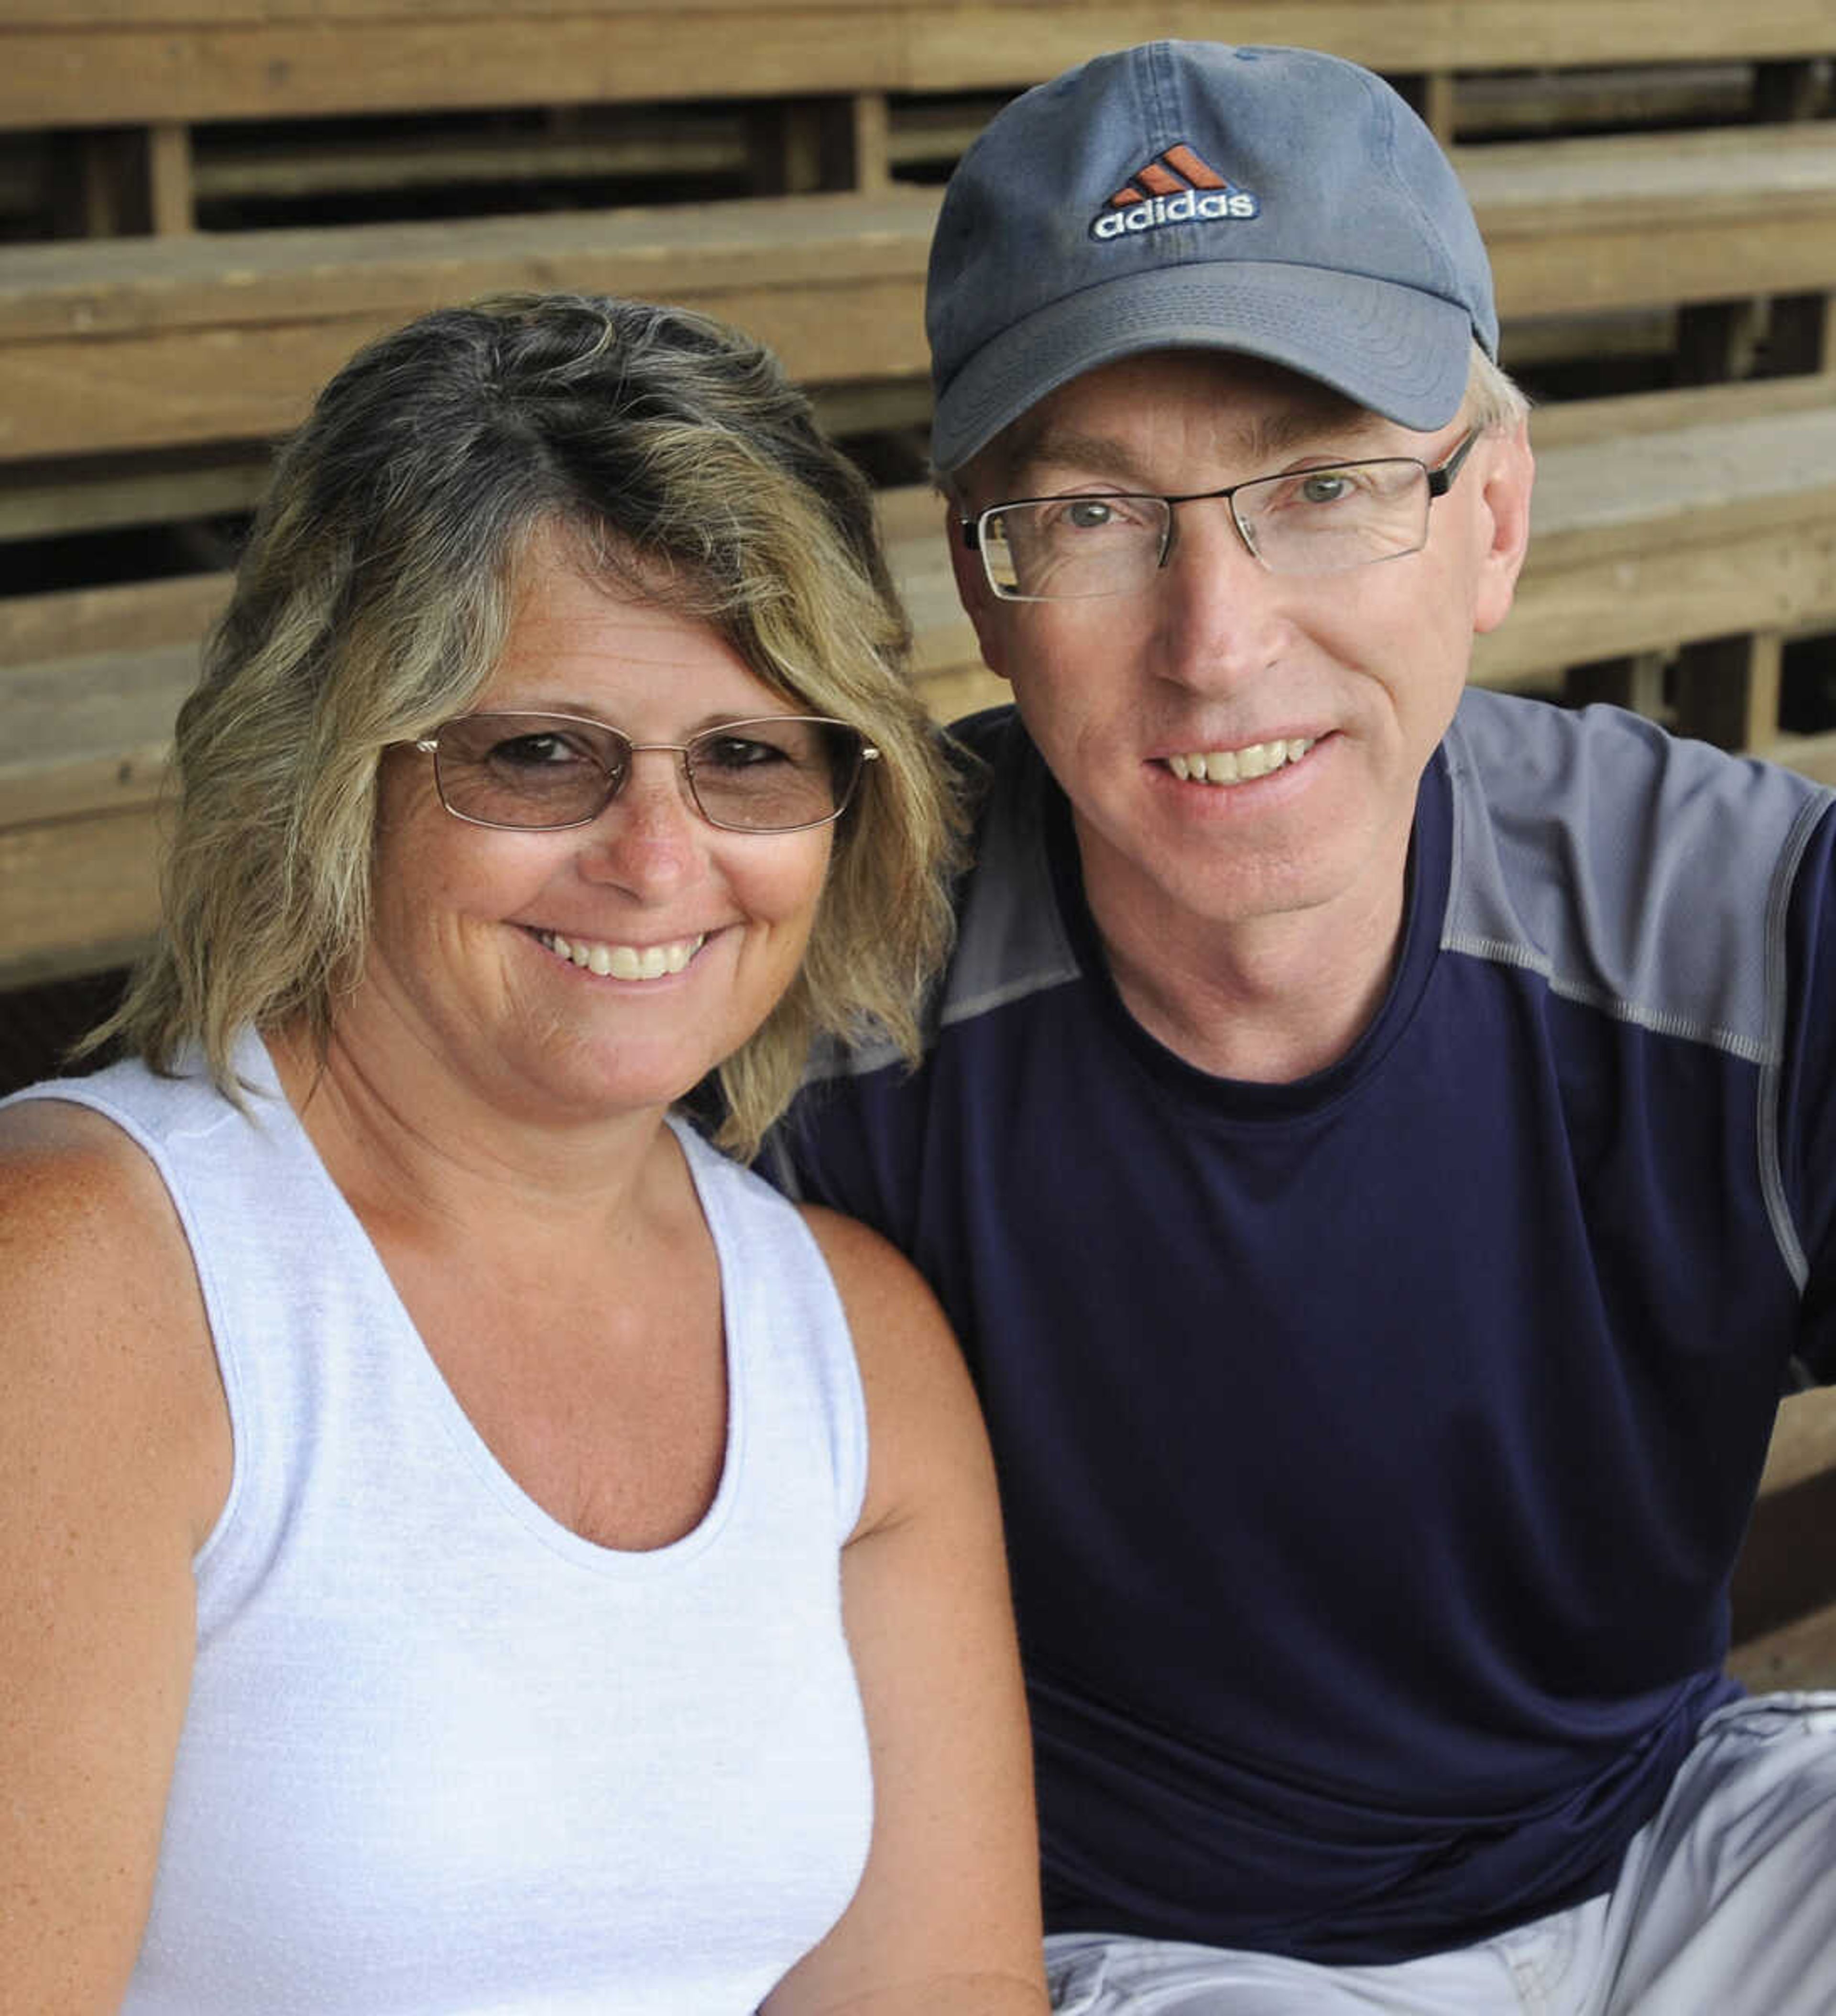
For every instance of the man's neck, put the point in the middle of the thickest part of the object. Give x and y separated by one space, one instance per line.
1265 999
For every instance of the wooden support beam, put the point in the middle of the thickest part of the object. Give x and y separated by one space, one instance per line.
1785 90
802 145
170 204
1727 690
1801 334
1439 105
1636 681
872 143
1717 341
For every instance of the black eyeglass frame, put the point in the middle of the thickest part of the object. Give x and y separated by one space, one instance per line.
1441 479
614 782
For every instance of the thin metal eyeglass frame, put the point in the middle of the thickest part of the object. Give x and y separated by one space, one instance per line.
1440 480
429 745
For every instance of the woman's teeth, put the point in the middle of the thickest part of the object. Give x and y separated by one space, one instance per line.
625 962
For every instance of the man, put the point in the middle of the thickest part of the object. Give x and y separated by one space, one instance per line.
1377 1144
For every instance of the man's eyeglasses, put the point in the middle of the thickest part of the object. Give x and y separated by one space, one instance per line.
541 771
1320 520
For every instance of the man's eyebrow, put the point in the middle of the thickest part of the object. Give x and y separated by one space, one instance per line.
1263 441
1059 447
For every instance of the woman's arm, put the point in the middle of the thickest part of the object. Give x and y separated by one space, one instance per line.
114 1455
946 1920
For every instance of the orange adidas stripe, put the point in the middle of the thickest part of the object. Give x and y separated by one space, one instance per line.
1196 171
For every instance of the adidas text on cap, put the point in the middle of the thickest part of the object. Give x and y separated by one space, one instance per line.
1191 194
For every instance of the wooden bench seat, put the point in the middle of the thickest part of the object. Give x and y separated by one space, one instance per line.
145 342
1784 1595
95 62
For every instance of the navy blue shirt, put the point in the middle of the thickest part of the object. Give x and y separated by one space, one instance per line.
1375 1448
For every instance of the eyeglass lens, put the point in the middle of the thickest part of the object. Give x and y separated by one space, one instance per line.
772 774
1312 521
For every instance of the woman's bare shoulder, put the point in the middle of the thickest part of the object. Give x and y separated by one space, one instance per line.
923 1423
102 1324
67 1170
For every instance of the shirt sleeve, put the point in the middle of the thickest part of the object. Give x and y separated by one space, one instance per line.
1807 1095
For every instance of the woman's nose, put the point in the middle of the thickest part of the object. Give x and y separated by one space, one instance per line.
650 838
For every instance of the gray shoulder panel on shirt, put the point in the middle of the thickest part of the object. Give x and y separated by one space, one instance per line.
1641 874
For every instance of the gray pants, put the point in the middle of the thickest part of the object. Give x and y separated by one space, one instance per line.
1725 1906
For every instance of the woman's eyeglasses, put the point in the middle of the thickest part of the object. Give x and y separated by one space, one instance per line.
537 772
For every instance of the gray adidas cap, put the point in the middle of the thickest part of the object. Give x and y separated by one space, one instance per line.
1179 195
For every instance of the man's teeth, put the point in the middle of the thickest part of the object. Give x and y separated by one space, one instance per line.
1238 766
624 962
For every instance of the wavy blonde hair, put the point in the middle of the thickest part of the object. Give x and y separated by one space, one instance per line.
372 602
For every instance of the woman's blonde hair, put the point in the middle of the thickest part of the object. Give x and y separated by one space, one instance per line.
372 602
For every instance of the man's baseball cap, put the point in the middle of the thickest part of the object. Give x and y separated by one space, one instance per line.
1274 201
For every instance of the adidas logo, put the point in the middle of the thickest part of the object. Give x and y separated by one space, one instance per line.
1177 187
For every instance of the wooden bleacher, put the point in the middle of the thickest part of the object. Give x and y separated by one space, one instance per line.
143 343
100 63
773 161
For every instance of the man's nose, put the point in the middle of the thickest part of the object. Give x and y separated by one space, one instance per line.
1222 614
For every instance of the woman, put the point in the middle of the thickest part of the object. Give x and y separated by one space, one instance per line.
435 1482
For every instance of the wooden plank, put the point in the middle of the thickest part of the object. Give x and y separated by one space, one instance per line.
40 500
1576 421
1553 211
1813 755
1801 1654
1577 226
77 895
1803 1440
315 68
258 278
125 616
101 61
1785 1591
1010 41
833 282
1657 600
1554 101
271 169
90 735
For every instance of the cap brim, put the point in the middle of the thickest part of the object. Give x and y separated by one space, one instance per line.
1399 352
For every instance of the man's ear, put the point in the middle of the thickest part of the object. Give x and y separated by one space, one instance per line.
978 600
1510 475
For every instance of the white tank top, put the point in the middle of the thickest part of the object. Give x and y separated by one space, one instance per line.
441 1754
